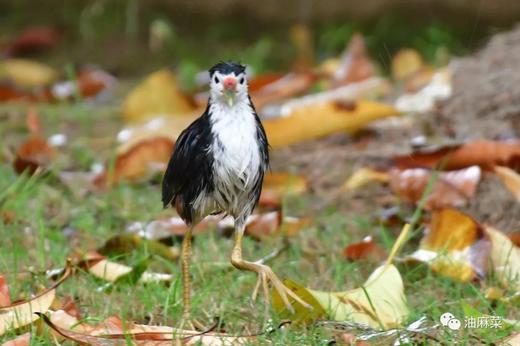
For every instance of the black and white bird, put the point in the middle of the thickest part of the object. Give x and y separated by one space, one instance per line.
218 166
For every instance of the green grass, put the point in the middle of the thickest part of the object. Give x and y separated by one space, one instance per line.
52 222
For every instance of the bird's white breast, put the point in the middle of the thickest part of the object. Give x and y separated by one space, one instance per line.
236 154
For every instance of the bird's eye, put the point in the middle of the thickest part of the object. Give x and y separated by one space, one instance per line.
241 80
216 79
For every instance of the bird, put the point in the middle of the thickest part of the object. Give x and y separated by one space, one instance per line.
218 166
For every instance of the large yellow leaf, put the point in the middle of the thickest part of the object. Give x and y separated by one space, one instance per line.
321 119
158 95
23 313
27 73
379 303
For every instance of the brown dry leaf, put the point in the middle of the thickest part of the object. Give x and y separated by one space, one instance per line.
35 152
90 81
282 88
261 226
366 249
27 73
380 302
405 63
23 313
20 340
455 246
486 154
9 93
258 82
140 161
515 237
158 95
32 39
5 298
141 335
511 180
322 119
355 65
451 189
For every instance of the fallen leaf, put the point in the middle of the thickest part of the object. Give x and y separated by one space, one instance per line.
32 39
142 335
20 340
366 249
455 246
322 119
486 154
27 73
515 237
364 176
380 303
511 340
90 82
140 161
113 271
276 185
260 81
450 189
5 298
22 313
260 226
10 93
158 95
282 88
511 180
405 63
505 257
126 243
439 87
355 65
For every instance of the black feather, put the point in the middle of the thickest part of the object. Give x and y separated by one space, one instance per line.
189 171
227 68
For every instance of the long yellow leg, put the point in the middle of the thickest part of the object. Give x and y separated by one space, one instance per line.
186 279
265 274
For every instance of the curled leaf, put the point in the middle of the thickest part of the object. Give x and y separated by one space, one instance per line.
22 313
511 180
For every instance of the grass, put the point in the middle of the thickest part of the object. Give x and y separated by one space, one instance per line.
52 222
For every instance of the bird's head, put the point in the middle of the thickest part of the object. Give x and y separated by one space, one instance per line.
228 83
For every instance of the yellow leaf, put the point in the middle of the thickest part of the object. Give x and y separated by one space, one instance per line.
23 313
322 119
379 303
406 62
158 95
454 246
27 73
285 183
510 178
505 257
362 177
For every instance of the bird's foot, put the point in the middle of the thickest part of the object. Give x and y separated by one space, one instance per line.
266 275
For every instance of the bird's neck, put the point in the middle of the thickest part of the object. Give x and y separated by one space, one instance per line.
238 112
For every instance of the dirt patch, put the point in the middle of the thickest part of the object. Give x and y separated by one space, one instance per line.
486 92
485 105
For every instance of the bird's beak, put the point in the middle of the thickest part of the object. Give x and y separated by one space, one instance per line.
230 88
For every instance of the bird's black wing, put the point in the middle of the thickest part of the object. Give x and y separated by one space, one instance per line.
189 171
264 153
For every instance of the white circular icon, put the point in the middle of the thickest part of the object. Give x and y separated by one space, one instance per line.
448 320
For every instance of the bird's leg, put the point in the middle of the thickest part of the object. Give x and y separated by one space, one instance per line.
186 280
265 273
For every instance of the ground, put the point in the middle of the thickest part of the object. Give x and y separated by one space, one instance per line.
51 221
